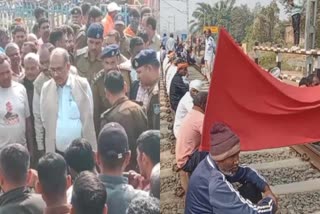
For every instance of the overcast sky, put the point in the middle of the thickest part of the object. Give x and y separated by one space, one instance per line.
167 11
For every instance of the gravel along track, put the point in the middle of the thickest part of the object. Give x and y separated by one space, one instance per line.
295 181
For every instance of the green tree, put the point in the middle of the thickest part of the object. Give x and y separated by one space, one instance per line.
217 14
241 17
266 23
201 16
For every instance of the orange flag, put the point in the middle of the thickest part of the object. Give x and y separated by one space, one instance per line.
263 111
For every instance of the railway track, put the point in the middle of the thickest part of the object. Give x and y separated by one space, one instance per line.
292 172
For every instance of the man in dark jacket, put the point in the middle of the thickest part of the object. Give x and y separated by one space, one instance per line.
147 66
124 111
14 173
210 189
178 88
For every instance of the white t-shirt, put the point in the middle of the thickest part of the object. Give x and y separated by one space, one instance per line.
14 110
170 44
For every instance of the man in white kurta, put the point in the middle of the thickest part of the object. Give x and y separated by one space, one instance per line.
209 54
185 105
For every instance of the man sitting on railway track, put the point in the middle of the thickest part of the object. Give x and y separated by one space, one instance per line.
177 87
210 189
185 105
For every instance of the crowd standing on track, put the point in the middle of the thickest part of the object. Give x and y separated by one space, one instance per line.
80 113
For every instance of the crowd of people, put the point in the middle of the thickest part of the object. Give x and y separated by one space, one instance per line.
188 51
207 177
80 113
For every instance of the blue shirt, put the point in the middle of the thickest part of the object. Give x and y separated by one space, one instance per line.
69 126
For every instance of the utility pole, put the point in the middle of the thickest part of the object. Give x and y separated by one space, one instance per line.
187 1
310 32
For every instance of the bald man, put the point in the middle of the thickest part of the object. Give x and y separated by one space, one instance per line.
66 106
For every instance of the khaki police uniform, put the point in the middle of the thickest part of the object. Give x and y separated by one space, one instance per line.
133 119
124 47
81 39
101 104
86 67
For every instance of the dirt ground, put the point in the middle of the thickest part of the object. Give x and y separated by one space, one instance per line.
170 182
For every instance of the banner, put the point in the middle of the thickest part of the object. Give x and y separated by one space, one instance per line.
214 29
263 111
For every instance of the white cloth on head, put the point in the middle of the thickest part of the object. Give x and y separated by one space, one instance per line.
113 7
196 84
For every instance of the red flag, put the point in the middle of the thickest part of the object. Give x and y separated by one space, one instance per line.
263 111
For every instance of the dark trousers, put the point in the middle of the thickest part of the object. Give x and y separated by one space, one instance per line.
249 191
193 161
296 28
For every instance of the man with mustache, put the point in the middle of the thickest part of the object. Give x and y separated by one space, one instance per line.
66 106
111 59
44 31
210 187
88 59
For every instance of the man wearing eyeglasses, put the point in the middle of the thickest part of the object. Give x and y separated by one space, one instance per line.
66 106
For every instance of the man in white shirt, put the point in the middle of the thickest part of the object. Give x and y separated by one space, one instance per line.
209 54
185 105
15 120
170 45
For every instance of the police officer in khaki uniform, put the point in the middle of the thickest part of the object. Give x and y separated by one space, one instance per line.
111 60
94 16
147 66
123 111
88 60
76 15
119 26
